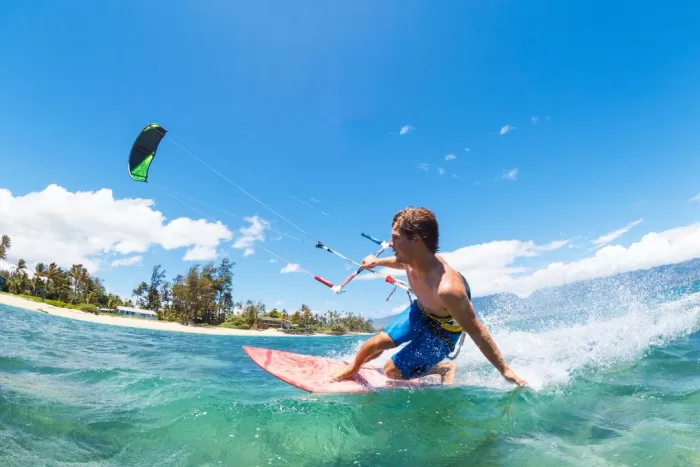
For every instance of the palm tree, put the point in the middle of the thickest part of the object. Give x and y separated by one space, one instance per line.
19 279
79 275
19 282
21 266
52 273
4 246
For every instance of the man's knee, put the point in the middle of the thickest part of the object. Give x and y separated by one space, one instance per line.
383 341
390 370
447 365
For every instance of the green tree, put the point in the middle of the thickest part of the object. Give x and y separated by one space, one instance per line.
5 244
139 292
153 296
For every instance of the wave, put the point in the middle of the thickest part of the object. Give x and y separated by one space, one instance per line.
555 348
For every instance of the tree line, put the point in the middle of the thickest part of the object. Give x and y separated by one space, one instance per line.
68 288
202 296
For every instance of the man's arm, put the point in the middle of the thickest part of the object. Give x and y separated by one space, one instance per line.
372 262
461 309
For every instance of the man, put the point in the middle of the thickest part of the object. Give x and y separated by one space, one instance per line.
433 323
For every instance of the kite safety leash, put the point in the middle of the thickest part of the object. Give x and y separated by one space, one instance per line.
459 346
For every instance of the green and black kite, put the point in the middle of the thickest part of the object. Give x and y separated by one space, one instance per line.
144 150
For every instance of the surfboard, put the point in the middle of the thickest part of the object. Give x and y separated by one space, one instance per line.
313 373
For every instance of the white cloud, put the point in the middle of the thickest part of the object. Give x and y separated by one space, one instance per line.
450 157
467 149
511 174
490 267
534 119
56 225
130 261
610 236
423 166
441 171
290 268
506 129
406 129
696 198
247 236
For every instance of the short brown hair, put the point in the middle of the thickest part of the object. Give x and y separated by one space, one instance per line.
418 222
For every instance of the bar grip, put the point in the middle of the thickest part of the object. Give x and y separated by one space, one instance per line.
369 237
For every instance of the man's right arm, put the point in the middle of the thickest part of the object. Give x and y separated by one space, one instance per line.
373 262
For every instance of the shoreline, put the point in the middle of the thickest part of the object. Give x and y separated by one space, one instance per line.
156 325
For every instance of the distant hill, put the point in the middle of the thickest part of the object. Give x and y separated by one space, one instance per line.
637 284
380 323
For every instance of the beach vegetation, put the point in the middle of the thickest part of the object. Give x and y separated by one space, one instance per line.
203 296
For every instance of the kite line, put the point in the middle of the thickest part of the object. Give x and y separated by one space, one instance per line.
142 154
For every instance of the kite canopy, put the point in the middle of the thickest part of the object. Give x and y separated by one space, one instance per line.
144 150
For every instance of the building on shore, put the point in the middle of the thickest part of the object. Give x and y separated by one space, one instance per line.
136 312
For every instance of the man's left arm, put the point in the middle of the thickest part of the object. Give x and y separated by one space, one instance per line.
461 309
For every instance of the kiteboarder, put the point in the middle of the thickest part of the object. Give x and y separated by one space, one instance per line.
433 323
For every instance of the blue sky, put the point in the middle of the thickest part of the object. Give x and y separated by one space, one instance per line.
312 98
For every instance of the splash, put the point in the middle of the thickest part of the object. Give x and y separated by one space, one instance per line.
554 351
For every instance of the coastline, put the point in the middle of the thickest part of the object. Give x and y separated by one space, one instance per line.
19 302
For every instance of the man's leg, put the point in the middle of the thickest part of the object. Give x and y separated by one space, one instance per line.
370 350
390 370
395 334
446 370
422 356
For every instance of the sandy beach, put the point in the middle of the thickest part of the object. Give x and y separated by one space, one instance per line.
19 302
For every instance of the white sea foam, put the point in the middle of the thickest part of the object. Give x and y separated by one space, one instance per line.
550 358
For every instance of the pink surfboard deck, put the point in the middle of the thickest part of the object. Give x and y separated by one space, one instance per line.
313 374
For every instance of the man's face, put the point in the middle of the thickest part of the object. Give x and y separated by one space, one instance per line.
401 244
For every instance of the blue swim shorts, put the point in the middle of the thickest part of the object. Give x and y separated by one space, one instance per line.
428 343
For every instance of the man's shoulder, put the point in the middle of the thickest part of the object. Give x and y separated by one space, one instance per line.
451 284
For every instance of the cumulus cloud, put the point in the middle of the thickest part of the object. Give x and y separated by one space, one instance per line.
451 157
130 261
696 198
247 236
512 174
423 166
87 226
290 268
492 267
406 129
506 129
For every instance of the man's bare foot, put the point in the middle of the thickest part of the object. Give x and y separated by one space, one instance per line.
345 373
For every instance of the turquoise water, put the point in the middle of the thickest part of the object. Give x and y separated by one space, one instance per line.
616 385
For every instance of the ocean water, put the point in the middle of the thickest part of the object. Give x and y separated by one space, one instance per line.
615 383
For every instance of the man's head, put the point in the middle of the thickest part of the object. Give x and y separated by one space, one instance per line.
413 231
